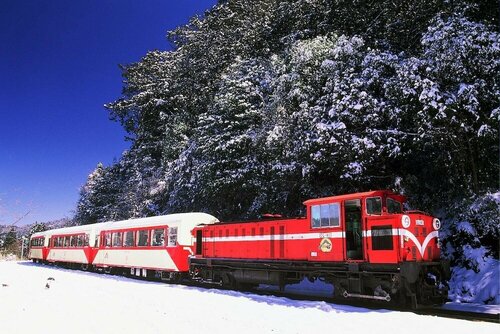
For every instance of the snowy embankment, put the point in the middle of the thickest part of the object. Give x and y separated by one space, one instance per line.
468 286
80 302
470 241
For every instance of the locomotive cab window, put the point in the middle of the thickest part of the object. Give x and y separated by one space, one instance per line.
325 215
394 206
382 237
374 206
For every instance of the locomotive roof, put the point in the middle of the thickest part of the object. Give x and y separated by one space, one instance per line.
372 193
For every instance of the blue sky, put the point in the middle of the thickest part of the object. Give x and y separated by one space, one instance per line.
58 66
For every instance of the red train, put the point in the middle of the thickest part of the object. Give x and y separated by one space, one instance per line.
364 244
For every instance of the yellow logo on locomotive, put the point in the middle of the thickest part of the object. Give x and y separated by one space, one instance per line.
325 245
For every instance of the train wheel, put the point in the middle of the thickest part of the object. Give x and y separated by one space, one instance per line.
228 281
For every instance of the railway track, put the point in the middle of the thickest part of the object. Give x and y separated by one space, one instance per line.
439 311
460 314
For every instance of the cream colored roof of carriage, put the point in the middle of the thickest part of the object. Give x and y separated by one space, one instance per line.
185 222
69 230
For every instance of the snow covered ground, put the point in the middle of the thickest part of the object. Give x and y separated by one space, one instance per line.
79 302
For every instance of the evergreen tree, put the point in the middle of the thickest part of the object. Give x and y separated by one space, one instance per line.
10 243
228 137
37 227
96 197
294 99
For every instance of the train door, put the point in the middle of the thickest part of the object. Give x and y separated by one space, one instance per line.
353 229
199 242
277 242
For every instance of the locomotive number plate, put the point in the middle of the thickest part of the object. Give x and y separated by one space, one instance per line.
420 222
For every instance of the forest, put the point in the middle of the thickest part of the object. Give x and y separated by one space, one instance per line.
260 105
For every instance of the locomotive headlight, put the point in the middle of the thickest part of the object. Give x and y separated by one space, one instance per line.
405 221
436 223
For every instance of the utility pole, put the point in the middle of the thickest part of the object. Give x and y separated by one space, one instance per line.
23 239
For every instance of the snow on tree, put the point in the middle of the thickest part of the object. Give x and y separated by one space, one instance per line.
449 100
228 141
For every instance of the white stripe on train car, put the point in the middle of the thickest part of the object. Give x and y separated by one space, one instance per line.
137 258
268 237
411 236
35 253
67 255
333 235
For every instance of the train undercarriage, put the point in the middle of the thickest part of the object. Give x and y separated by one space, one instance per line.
409 284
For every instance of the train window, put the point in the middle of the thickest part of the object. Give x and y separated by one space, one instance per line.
107 239
85 240
374 205
79 241
72 241
172 236
382 237
325 215
142 238
117 239
393 206
158 238
67 241
129 239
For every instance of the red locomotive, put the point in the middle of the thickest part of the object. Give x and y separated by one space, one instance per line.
364 244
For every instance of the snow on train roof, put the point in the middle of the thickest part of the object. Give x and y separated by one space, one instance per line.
187 220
